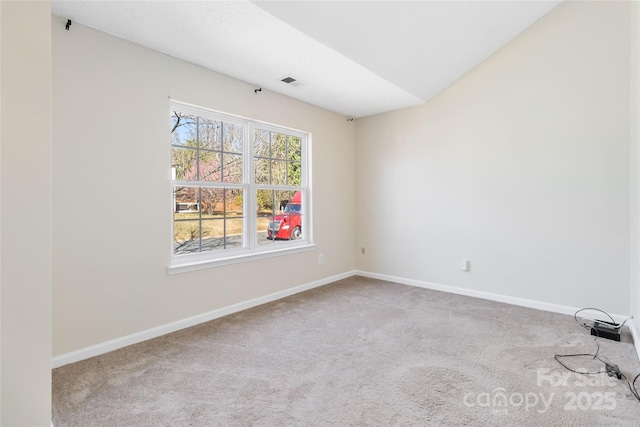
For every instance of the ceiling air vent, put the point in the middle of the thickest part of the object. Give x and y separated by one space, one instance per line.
291 81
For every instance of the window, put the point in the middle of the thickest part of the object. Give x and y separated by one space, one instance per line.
240 187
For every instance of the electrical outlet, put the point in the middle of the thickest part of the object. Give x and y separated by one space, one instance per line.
464 265
362 250
321 259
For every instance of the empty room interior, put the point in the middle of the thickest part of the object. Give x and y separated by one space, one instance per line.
319 213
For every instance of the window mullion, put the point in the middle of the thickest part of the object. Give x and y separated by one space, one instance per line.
278 187
206 184
200 219
222 152
198 148
251 225
224 219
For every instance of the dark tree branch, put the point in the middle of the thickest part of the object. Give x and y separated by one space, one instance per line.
177 122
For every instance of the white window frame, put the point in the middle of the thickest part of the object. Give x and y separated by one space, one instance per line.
250 249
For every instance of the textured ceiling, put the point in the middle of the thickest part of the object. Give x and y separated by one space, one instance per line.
356 58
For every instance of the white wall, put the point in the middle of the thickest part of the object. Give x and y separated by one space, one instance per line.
25 265
111 188
634 301
522 167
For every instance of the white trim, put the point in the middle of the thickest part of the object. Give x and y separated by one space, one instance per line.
115 344
523 302
183 265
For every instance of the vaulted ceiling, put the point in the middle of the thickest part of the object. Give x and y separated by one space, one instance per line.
356 58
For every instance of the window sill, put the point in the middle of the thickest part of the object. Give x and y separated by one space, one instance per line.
185 265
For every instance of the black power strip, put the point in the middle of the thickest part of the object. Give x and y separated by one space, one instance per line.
608 330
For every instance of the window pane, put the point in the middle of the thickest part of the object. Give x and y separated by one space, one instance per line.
184 130
183 162
283 197
186 237
234 224
285 154
209 134
264 202
262 171
265 212
234 228
232 137
294 155
294 150
234 202
209 166
212 234
175 121
263 223
284 220
218 225
261 143
270 227
294 173
278 172
186 203
278 146
291 216
232 168
211 201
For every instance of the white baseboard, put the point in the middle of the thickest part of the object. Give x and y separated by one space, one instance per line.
105 347
540 305
135 338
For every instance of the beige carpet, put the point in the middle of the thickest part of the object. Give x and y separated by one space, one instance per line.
356 352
